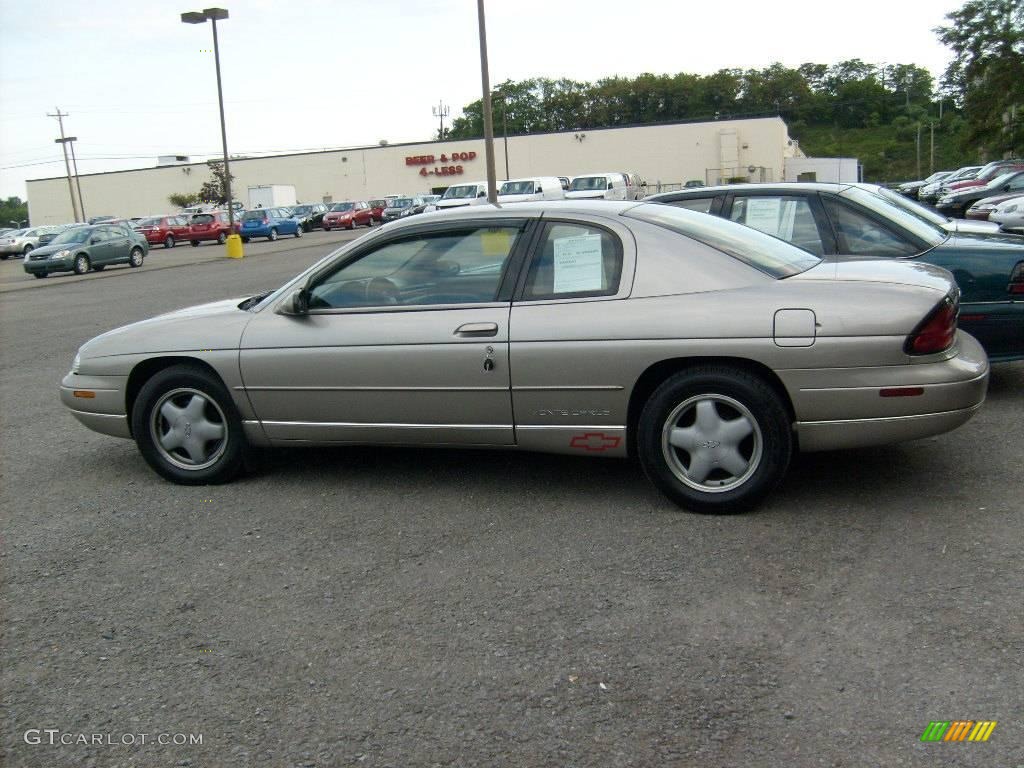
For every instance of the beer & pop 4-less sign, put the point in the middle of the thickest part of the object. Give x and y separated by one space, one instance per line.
444 169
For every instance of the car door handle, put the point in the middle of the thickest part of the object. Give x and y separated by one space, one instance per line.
477 329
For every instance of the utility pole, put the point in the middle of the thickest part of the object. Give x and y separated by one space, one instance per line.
919 150
485 78
931 158
67 166
78 180
441 111
504 129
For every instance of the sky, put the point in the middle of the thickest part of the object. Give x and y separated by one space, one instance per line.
315 74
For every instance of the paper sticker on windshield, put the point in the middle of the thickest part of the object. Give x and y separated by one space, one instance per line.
578 264
763 214
496 242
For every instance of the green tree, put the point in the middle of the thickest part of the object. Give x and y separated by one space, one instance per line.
13 212
213 191
183 199
986 76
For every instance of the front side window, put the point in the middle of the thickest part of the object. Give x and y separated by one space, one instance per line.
859 235
575 261
463 266
460 192
588 183
787 217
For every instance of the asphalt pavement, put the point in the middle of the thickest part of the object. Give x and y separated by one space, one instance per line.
401 607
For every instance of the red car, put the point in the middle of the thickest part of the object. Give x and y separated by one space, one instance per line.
985 175
165 230
210 226
348 215
377 209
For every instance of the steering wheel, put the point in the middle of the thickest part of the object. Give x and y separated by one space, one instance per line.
380 290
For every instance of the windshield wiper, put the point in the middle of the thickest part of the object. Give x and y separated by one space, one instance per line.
252 301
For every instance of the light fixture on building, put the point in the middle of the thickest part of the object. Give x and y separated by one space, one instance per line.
579 137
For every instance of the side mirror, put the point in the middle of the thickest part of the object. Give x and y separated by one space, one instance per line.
539 190
295 304
481 194
93 240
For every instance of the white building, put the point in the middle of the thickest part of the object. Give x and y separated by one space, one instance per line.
713 152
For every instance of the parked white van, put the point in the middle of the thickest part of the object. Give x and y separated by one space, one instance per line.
460 195
598 186
530 190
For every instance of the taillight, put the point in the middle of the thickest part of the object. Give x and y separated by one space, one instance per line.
1016 284
936 332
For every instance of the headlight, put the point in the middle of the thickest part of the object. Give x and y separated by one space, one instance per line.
1009 208
77 362
65 254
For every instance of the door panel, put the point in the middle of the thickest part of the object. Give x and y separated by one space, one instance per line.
380 377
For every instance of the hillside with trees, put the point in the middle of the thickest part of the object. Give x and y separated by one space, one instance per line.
888 115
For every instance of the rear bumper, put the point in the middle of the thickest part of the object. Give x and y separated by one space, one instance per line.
845 408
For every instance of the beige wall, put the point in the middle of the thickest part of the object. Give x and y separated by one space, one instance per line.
665 153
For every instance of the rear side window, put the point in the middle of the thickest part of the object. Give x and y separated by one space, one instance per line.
574 261
787 217
768 254
698 204
860 235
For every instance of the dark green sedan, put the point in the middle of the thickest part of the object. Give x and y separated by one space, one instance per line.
843 221
82 249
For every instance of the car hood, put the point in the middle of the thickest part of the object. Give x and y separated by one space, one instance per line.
868 270
992 243
47 250
217 325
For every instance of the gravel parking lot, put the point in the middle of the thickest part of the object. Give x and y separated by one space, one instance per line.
408 607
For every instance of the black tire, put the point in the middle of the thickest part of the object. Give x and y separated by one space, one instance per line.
298 231
178 385
222 238
82 264
730 400
245 239
195 243
99 267
40 275
28 249
352 224
3 256
136 257
327 229
169 241
273 234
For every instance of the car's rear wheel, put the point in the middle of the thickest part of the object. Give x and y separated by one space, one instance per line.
195 243
27 249
352 223
298 231
3 256
187 427
245 239
273 234
99 267
222 238
82 264
326 228
135 257
40 275
169 241
715 439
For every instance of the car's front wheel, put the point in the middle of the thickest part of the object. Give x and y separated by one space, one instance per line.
135 257
187 427
715 439
169 241
82 264
273 234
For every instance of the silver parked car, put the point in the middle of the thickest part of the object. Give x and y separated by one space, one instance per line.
708 349
21 242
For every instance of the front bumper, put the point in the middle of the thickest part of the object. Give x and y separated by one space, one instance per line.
844 407
38 266
104 411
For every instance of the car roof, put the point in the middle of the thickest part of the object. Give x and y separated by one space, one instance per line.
606 208
817 186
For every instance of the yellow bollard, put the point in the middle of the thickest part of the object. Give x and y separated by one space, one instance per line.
234 247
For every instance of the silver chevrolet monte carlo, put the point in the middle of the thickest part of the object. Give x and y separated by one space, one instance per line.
707 349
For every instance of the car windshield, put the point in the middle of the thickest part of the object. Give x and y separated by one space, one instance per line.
930 232
149 222
73 235
460 192
588 183
516 188
402 202
763 252
378 203
343 206
912 207
998 181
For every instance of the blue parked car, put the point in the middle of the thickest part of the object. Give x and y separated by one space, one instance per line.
269 223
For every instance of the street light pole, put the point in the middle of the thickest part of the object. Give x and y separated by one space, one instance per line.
504 129
492 180
78 181
234 242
